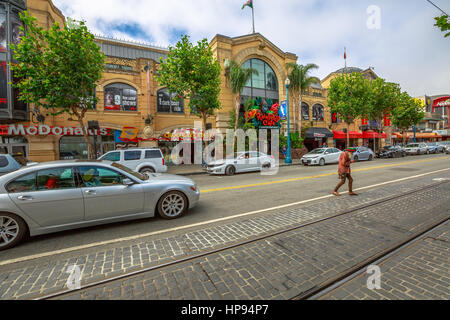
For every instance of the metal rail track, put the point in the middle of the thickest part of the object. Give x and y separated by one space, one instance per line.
339 281
305 295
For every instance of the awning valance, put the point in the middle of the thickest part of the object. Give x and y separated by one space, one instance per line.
339 135
313 133
373 135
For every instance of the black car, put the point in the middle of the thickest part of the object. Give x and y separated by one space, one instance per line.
391 152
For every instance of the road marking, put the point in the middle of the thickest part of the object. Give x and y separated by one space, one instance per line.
317 176
108 242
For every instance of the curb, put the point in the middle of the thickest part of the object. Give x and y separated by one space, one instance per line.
197 173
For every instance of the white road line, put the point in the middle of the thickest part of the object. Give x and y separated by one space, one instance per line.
102 243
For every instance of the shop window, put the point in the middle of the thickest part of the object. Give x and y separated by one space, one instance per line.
3 28
305 111
132 155
3 85
318 113
55 179
120 97
166 102
23 184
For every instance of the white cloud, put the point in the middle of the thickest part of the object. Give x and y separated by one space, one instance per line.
408 49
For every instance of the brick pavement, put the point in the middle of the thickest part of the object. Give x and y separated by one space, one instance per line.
287 265
419 272
27 282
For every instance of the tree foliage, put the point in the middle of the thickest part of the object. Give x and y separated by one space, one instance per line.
237 77
59 68
443 23
300 80
348 96
382 99
192 72
407 113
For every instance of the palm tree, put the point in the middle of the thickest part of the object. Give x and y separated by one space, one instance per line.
300 81
238 77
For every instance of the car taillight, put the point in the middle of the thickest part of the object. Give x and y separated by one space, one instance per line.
163 161
272 157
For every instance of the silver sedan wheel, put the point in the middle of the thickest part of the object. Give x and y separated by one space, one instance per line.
9 230
173 205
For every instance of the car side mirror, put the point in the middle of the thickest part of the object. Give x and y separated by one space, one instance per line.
127 182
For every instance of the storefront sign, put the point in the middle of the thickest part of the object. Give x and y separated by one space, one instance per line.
319 135
44 130
268 120
443 102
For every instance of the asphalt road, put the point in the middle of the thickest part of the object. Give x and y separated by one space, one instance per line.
227 197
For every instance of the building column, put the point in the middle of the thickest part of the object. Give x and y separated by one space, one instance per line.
43 148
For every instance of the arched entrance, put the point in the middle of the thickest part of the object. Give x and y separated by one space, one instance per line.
263 86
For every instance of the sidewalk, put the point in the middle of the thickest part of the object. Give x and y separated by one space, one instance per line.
196 169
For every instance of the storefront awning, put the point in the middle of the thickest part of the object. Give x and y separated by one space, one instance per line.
424 135
339 135
373 135
313 133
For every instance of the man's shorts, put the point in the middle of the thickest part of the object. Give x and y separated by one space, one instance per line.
344 176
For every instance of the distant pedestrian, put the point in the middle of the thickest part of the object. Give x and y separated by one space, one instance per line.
344 171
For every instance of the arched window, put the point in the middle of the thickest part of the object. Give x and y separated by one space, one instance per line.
120 97
264 85
318 112
305 111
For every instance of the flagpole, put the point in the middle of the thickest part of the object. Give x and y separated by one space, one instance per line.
253 16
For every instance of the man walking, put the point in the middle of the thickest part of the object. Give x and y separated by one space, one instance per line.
345 172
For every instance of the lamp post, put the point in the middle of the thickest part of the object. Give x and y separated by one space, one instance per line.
288 159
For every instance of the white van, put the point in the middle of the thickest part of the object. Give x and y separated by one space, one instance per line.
145 160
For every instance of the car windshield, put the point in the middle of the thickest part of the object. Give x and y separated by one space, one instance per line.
318 151
432 144
129 171
412 146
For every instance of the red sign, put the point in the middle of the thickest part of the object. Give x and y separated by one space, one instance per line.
268 120
443 102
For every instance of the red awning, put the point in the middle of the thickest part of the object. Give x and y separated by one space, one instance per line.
373 135
356 135
339 135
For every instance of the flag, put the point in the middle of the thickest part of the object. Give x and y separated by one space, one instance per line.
345 54
249 3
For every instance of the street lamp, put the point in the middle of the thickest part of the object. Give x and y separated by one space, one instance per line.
288 159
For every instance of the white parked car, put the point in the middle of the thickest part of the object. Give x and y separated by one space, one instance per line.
145 160
322 156
417 148
242 162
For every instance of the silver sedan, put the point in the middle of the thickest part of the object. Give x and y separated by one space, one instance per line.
56 196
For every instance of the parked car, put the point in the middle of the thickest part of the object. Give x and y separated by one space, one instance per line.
391 152
241 162
443 144
447 149
417 148
10 163
363 153
145 161
64 195
434 147
322 156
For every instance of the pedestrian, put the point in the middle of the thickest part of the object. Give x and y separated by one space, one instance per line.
344 171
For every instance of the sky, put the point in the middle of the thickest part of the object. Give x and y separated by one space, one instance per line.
395 37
